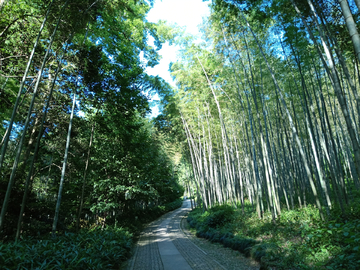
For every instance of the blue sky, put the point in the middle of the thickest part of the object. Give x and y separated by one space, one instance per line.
185 13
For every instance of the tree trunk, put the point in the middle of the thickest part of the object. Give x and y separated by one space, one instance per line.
302 153
331 70
57 208
13 172
84 178
22 84
351 26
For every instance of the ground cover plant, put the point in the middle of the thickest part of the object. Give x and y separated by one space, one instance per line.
96 248
297 240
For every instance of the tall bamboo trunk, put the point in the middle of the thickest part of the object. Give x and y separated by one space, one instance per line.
333 75
351 25
58 202
27 121
300 146
84 178
22 85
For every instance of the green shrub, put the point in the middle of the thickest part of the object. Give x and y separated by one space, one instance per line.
269 250
219 216
173 205
244 245
211 225
96 249
194 217
299 239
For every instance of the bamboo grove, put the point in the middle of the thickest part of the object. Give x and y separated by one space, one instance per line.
269 105
76 148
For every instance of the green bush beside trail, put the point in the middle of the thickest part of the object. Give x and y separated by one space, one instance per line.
89 249
299 239
94 249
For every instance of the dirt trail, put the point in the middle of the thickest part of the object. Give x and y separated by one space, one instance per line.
166 245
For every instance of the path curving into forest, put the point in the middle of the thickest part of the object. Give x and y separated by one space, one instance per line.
166 245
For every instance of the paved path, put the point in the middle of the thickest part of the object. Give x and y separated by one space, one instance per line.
164 246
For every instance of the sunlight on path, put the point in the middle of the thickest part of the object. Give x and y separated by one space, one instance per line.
164 246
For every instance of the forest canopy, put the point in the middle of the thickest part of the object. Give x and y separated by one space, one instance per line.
76 146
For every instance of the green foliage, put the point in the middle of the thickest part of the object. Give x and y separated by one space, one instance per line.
219 216
128 172
89 249
173 205
151 213
299 239
338 241
352 211
210 225
266 250
95 249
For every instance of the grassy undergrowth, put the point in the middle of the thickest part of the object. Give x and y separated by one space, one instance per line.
298 239
93 248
